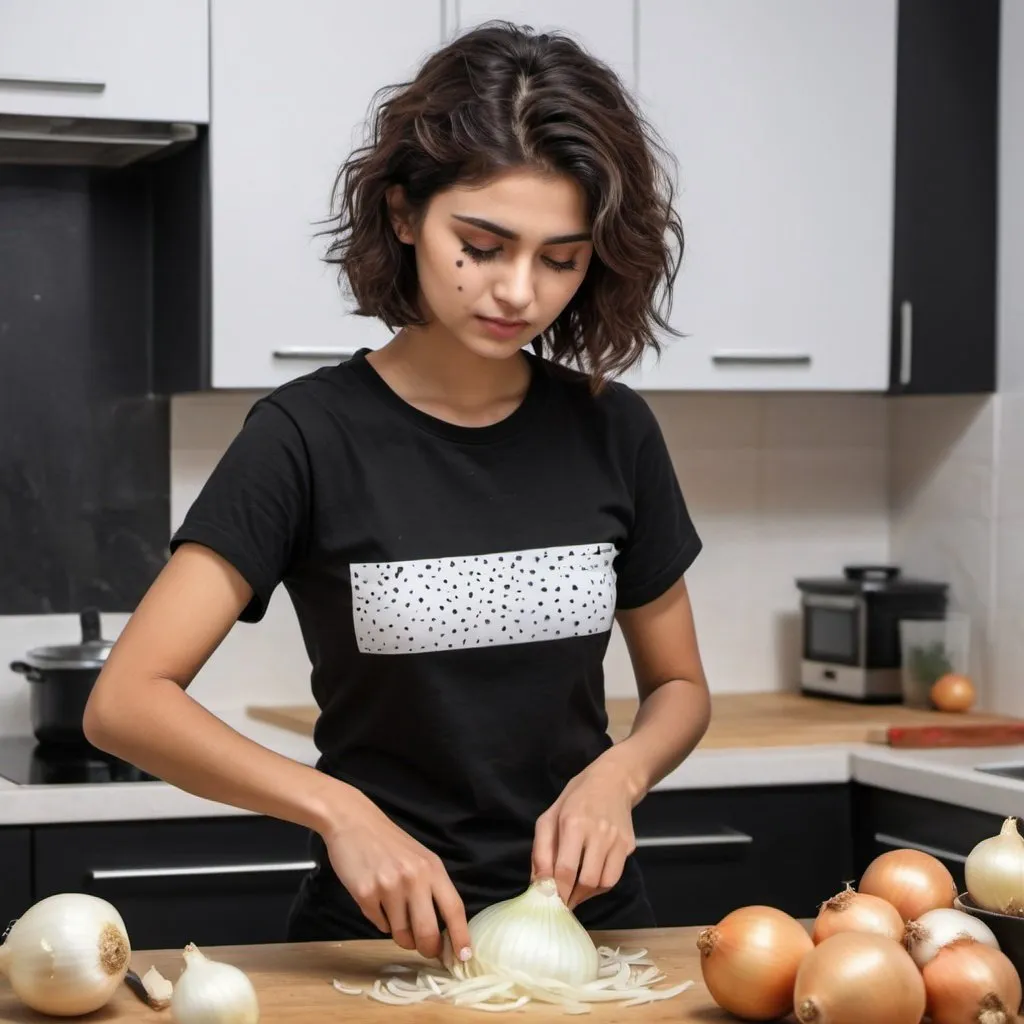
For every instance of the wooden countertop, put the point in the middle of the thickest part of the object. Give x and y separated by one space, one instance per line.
771 720
293 984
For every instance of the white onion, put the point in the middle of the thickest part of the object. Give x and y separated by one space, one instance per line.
939 927
67 954
534 933
995 871
213 992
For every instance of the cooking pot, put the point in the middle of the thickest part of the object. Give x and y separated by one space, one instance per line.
61 679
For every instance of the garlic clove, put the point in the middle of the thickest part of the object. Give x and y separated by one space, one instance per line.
158 989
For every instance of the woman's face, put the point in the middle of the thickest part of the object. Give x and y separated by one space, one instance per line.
498 263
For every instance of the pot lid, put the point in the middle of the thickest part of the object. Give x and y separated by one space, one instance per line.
90 653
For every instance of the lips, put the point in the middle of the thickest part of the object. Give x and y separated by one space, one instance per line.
502 322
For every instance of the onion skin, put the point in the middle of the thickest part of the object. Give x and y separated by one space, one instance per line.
994 871
749 961
971 983
857 978
850 911
939 928
914 882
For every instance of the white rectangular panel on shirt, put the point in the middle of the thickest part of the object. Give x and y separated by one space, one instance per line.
510 597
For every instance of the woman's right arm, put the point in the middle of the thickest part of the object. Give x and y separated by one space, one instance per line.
140 711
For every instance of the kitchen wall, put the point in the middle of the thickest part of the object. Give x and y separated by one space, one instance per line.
957 463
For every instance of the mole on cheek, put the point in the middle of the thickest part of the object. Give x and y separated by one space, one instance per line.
458 263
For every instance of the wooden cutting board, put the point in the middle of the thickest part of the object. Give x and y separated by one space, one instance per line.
293 984
781 719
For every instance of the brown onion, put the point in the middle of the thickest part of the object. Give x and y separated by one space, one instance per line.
914 882
969 982
749 961
857 978
850 911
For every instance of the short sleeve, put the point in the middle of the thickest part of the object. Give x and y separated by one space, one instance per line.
253 509
663 541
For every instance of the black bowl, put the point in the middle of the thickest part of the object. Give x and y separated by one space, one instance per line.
1007 928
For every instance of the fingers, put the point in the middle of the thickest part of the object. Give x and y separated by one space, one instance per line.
595 853
567 857
453 913
368 900
543 857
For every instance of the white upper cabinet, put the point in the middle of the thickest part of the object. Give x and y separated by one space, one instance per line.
291 87
139 60
782 117
605 29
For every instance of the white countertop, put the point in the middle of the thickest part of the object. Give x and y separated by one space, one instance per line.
945 774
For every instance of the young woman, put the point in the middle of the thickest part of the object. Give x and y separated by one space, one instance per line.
457 519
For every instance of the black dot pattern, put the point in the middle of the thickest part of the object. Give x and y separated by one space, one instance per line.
471 601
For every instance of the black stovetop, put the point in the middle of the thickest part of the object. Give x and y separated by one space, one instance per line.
26 761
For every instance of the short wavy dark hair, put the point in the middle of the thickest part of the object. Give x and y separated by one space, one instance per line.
498 97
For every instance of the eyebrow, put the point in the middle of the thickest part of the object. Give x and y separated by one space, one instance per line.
497 229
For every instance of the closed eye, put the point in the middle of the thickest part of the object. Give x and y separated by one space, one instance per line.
480 255
560 265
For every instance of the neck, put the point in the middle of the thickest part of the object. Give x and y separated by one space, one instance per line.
435 372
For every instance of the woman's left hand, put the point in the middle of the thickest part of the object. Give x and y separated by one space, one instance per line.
583 839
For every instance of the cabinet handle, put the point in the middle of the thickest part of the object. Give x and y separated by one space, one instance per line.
51 84
906 341
761 358
109 874
727 835
887 840
298 352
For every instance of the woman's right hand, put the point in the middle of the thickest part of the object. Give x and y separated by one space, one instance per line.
395 880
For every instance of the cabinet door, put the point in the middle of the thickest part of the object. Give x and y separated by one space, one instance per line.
606 29
704 853
208 881
292 87
886 820
947 155
16 871
781 116
105 58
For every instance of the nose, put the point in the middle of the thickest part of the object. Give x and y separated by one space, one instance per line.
514 286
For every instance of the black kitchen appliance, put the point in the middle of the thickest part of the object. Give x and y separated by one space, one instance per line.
27 762
850 630
61 678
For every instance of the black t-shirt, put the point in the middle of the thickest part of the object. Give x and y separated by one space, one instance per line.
455 587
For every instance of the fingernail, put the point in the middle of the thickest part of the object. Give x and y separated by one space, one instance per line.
465 953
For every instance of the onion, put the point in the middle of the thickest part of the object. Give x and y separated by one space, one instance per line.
952 692
938 928
995 871
67 954
858 978
749 961
971 983
914 882
850 911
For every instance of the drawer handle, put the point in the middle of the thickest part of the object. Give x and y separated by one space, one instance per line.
761 359
108 874
728 835
906 341
299 352
887 840
51 84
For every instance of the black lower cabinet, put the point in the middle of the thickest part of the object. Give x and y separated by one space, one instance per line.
885 820
706 852
15 874
208 881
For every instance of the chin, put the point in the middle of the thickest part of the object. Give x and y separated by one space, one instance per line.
494 348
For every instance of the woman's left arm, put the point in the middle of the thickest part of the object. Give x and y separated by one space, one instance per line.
583 839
